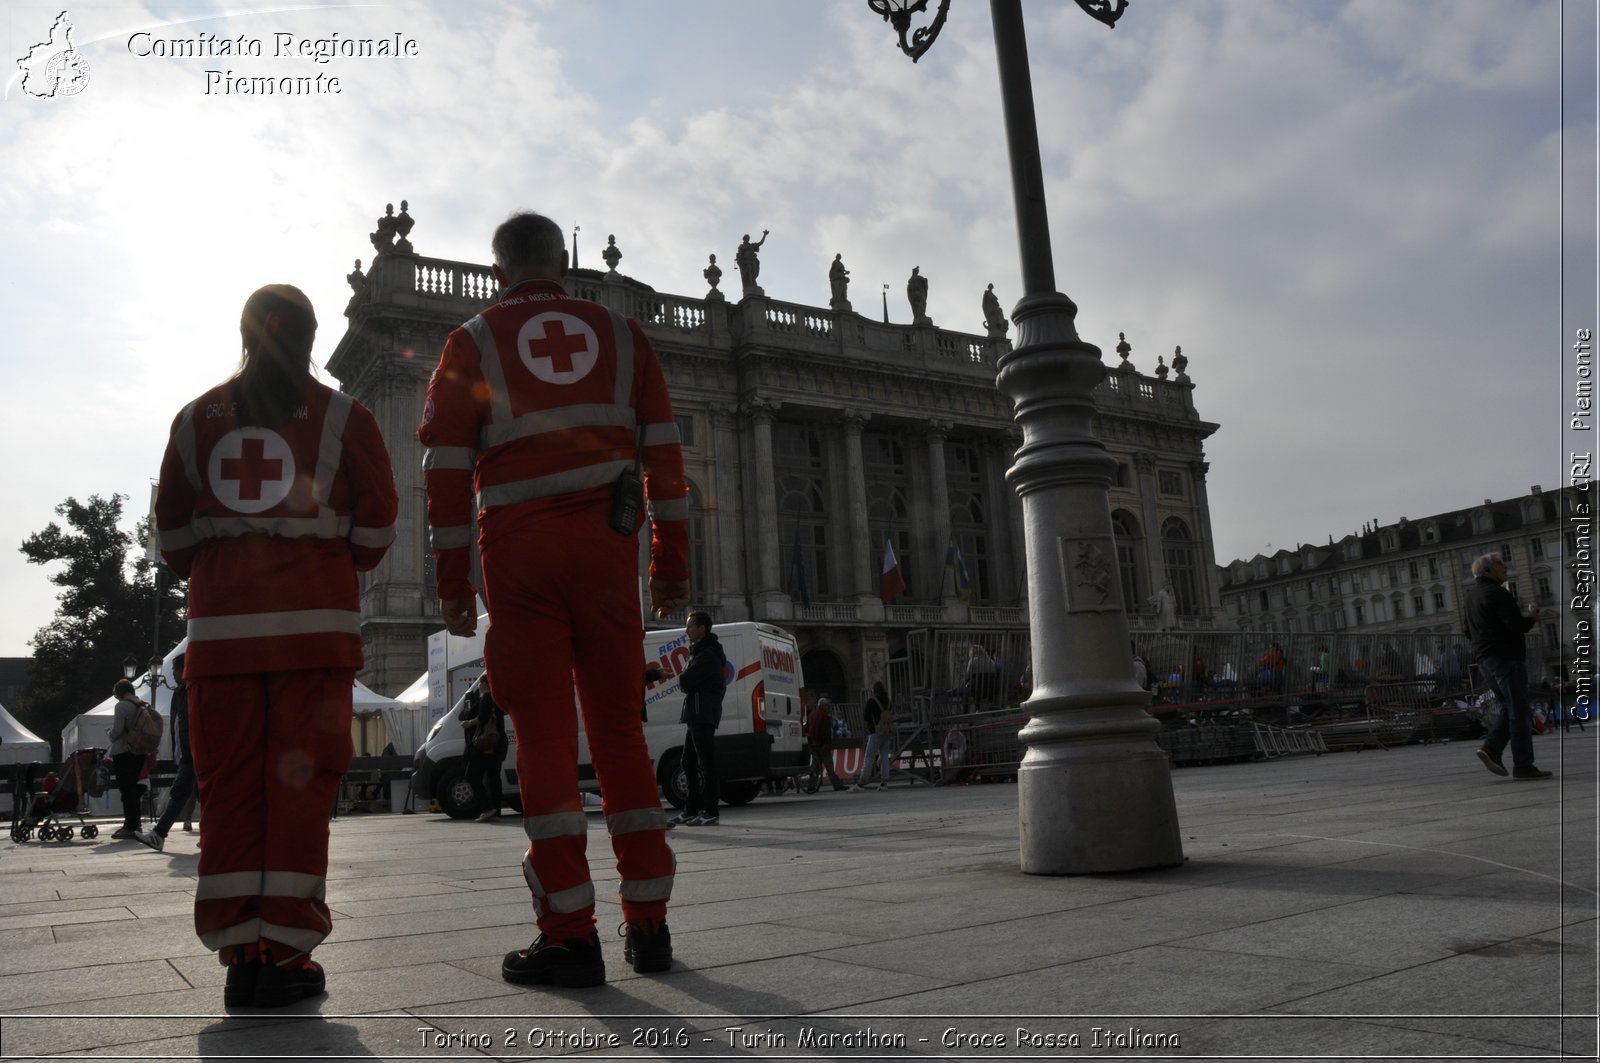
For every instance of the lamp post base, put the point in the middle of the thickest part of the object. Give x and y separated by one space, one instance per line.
1096 807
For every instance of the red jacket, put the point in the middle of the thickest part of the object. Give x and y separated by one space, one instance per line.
270 526
536 406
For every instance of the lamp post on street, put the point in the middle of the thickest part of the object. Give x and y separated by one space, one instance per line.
1094 793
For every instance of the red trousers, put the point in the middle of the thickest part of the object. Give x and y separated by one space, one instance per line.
563 597
268 753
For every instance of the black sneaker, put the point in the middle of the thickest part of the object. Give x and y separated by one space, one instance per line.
239 991
574 963
278 987
1531 773
647 946
1491 761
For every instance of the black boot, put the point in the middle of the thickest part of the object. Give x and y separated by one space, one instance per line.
574 963
648 946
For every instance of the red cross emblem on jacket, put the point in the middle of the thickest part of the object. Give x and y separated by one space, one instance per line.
558 348
251 470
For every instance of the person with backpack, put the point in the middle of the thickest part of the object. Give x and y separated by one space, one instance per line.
484 726
879 722
126 761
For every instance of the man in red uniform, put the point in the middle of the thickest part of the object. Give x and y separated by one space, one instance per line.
538 405
275 491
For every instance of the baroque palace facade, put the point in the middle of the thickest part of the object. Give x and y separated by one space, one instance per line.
1413 576
810 436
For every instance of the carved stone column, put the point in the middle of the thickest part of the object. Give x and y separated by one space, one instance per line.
733 601
1016 586
1155 565
932 574
769 585
860 544
1208 555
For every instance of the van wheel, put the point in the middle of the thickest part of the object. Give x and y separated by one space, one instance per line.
456 796
674 784
740 792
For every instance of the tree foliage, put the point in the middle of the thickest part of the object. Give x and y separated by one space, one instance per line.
105 612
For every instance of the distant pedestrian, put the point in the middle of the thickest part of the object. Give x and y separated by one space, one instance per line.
703 682
880 745
181 793
483 725
125 763
980 678
819 744
1497 629
1141 670
953 756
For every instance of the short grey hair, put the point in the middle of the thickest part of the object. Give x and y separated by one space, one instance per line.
1485 563
527 240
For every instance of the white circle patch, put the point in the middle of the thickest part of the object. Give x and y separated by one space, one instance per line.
251 470
558 348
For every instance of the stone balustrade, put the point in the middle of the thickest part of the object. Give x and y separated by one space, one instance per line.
461 289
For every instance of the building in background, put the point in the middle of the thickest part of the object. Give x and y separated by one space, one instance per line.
812 437
1413 575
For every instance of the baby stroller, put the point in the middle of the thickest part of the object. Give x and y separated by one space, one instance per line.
62 797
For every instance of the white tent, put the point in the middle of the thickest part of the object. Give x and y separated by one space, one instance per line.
18 745
408 721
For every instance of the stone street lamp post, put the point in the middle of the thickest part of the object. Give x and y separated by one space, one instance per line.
1094 791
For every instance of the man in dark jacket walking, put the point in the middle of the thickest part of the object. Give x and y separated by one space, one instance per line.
183 783
1496 627
703 682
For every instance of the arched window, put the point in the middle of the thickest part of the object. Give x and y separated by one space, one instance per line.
888 516
1177 552
1125 529
802 508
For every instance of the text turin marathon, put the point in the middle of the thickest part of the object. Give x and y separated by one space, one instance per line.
952 1037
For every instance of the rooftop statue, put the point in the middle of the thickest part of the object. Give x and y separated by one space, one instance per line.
917 294
994 319
839 283
749 263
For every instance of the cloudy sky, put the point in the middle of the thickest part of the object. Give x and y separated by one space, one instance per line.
1348 213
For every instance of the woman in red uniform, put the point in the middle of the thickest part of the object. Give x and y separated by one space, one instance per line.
275 491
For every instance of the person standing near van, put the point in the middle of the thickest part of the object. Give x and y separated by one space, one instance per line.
276 491
819 743
542 409
703 681
480 716
880 743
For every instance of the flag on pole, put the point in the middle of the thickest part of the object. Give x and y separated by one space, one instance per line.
956 567
892 584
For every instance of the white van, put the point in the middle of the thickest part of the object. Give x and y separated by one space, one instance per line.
759 736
